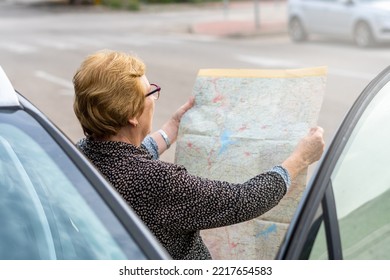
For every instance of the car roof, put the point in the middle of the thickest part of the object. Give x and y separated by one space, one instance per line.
8 97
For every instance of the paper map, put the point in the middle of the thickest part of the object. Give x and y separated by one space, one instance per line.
243 123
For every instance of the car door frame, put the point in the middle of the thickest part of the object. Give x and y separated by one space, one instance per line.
151 247
319 189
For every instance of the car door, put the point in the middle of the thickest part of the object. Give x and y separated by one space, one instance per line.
344 213
316 15
54 205
340 16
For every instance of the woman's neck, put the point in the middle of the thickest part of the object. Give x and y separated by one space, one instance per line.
126 135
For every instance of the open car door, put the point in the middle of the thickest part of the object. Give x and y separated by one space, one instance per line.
344 212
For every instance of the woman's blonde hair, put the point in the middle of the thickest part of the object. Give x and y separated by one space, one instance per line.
108 92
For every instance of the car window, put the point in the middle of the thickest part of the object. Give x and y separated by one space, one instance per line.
361 182
361 186
48 209
316 244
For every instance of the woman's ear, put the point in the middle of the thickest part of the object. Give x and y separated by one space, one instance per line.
133 122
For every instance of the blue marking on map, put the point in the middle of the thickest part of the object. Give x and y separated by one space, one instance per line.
225 141
265 233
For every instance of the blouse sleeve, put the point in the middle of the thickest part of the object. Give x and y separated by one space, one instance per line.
151 146
192 203
284 173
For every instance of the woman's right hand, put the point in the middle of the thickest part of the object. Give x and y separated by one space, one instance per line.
309 150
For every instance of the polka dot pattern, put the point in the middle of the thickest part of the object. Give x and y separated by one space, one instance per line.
176 205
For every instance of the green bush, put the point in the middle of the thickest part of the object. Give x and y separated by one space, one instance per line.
176 1
133 5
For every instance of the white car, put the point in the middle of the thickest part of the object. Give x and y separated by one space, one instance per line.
54 204
367 22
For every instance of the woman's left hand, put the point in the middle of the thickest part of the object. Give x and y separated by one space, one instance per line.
182 110
171 127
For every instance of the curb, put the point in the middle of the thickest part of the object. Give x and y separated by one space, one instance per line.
237 28
271 20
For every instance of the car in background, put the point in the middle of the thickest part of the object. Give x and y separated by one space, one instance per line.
344 212
366 22
53 202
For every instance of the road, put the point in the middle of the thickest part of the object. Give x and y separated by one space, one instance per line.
42 45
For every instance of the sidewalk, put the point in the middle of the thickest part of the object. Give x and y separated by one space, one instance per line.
239 19
226 18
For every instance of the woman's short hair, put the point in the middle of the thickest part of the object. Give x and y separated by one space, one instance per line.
108 92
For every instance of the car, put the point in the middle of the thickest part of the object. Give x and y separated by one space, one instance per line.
53 202
366 22
344 212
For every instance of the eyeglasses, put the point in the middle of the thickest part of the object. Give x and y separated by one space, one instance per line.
155 93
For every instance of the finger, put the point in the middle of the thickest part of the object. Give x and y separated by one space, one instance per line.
316 130
184 108
188 105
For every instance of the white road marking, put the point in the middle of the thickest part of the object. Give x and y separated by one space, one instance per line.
268 62
57 45
280 63
54 79
17 47
351 74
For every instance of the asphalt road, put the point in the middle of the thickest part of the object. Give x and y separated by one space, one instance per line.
42 45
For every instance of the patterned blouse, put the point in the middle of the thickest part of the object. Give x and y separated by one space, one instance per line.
176 205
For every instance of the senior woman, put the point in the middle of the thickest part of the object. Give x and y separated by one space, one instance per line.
114 103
